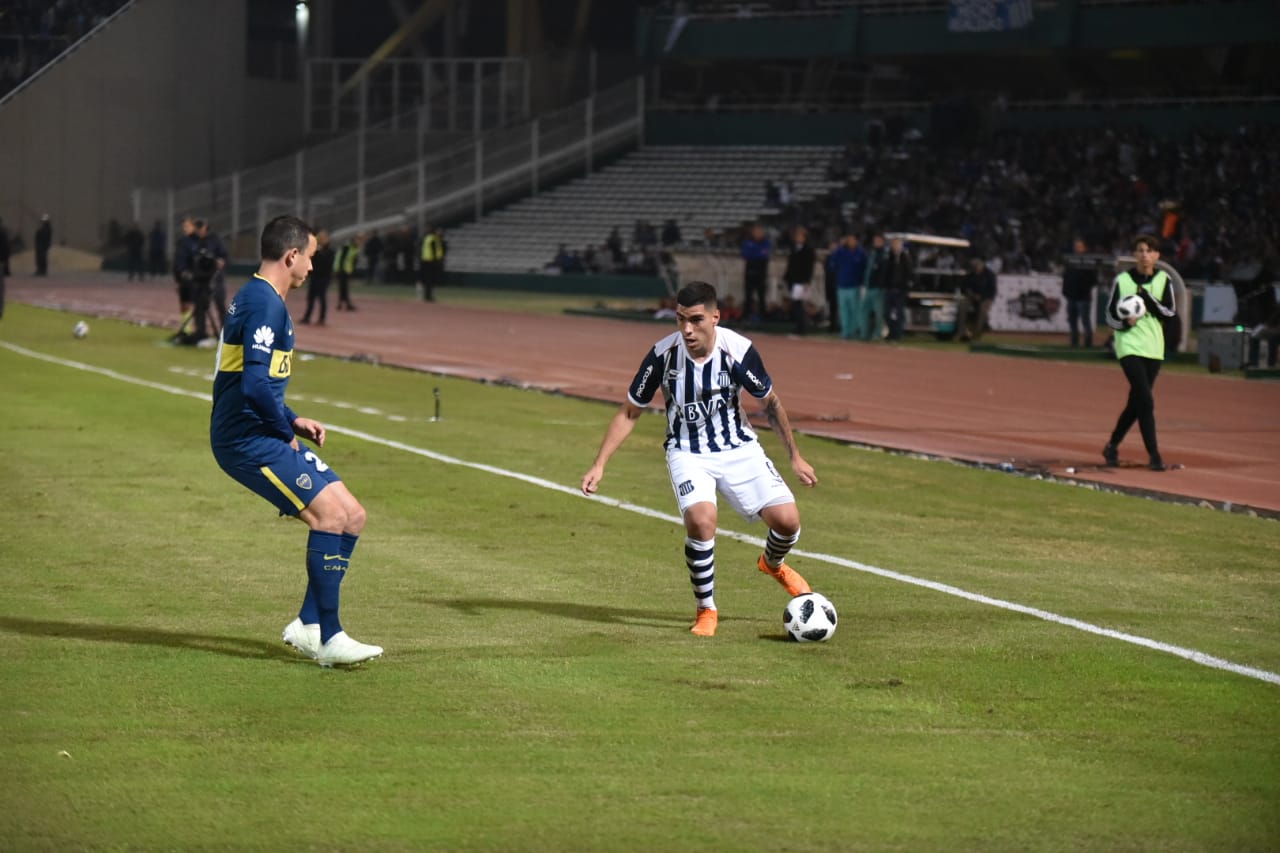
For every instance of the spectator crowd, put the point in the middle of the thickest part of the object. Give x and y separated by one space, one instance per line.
33 33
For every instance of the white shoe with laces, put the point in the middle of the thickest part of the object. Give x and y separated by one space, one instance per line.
304 638
341 650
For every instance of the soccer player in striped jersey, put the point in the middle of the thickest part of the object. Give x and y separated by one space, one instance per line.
702 370
255 439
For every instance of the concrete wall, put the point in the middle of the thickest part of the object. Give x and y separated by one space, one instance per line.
157 98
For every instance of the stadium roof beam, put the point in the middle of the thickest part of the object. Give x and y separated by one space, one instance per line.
426 15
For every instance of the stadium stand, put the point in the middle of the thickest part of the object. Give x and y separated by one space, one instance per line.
702 188
33 34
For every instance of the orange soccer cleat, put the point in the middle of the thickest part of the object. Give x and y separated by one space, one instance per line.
705 623
790 579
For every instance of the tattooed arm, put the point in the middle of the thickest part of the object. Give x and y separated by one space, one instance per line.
782 428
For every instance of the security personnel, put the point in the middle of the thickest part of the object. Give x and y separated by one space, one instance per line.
431 270
1139 345
345 266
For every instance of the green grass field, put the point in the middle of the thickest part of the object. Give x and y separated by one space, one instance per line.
540 690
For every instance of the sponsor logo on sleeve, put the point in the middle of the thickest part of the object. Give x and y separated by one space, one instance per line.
263 338
644 380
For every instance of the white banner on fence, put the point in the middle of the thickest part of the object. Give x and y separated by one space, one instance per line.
1030 303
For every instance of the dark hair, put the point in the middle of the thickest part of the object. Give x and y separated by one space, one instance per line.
282 234
696 293
1147 240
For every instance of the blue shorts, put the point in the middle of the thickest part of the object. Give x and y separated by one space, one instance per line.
289 479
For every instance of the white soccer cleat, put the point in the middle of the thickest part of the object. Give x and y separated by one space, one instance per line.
304 638
341 650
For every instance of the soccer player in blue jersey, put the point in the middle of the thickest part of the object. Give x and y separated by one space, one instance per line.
702 370
255 439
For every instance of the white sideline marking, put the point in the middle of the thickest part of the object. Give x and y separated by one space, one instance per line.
1178 651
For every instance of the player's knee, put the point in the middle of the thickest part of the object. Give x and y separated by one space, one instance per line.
783 520
700 521
355 519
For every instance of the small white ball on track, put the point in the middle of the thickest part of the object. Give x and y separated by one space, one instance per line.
80 329
810 618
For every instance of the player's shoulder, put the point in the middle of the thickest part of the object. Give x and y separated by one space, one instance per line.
666 344
734 343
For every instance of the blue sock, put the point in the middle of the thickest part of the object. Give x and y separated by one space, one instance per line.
325 567
310 612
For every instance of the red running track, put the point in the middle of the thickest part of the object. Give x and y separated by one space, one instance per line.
1042 416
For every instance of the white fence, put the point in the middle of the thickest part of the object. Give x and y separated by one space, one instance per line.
382 176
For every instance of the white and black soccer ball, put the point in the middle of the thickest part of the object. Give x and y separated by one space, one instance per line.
1131 307
810 618
80 329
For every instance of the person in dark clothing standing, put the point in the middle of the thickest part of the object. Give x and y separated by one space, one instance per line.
44 239
199 259
345 266
156 250
977 293
432 262
798 276
1140 346
871 306
134 240
898 270
1079 276
755 273
318 281
373 251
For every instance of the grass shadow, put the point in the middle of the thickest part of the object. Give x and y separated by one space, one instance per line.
231 646
567 610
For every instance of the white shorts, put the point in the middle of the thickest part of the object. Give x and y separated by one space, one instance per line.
744 475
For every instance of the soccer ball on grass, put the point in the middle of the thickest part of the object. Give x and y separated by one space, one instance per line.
80 329
810 618
1131 307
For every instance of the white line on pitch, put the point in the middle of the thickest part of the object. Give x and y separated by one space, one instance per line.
1178 651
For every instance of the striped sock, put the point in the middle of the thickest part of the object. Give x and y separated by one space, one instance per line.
700 557
776 547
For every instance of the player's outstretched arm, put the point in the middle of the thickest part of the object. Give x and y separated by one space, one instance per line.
782 428
619 428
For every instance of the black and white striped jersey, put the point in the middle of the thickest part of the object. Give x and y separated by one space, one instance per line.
704 409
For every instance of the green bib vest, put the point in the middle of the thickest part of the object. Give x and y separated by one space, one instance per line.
1146 337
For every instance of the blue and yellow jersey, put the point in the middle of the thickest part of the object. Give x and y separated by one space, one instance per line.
254 362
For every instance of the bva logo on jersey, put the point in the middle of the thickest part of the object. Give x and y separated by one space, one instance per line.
693 412
263 338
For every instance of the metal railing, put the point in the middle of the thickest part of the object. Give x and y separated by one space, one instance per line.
383 176
406 94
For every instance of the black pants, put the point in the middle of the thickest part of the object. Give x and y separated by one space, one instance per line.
317 294
201 296
1141 405
895 313
432 275
1078 316
754 285
344 290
